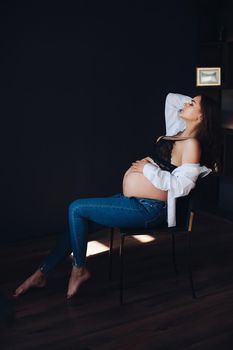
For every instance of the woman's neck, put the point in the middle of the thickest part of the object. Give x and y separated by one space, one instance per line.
189 131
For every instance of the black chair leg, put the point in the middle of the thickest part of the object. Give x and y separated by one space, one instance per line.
189 263
122 268
110 252
174 253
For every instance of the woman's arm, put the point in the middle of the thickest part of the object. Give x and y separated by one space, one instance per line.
173 103
182 180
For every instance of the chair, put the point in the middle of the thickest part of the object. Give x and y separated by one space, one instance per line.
185 210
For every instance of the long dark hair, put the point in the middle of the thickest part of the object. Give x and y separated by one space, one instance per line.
209 133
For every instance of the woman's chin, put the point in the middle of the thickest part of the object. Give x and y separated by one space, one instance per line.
180 113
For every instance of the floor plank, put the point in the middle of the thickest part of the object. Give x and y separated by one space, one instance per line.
159 312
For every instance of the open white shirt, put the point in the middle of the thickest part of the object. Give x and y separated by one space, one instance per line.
182 180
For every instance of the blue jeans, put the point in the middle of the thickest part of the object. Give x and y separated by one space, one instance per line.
91 214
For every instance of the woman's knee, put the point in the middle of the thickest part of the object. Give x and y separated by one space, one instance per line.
75 206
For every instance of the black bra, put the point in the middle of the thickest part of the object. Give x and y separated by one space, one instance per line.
162 153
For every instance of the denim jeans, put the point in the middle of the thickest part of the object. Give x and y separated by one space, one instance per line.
91 214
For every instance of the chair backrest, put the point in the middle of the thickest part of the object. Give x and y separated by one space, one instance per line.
183 209
189 204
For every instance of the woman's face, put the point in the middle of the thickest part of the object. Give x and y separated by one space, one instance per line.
191 111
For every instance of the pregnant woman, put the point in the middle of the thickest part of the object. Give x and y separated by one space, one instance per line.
150 187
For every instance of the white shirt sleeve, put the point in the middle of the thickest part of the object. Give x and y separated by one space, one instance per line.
178 183
173 103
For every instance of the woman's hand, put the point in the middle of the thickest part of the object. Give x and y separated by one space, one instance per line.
137 167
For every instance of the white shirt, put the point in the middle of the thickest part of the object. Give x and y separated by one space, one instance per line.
182 180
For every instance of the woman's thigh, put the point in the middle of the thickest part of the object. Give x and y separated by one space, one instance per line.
115 211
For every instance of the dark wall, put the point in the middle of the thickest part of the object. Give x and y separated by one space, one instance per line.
227 13
83 85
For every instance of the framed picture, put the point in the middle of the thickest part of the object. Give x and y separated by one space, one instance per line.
208 76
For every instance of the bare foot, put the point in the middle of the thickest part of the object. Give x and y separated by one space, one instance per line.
36 280
77 277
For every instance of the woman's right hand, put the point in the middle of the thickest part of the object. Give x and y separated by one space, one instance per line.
147 160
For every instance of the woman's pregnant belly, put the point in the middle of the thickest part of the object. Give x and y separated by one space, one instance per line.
137 185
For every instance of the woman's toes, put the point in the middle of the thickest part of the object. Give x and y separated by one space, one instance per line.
37 280
20 290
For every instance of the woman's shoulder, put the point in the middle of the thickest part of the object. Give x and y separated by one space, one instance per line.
192 142
192 150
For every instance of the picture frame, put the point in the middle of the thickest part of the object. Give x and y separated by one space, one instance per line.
208 76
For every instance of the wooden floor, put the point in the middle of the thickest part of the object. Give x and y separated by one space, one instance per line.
159 312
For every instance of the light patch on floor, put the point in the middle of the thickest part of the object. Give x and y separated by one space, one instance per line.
95 247
144 238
